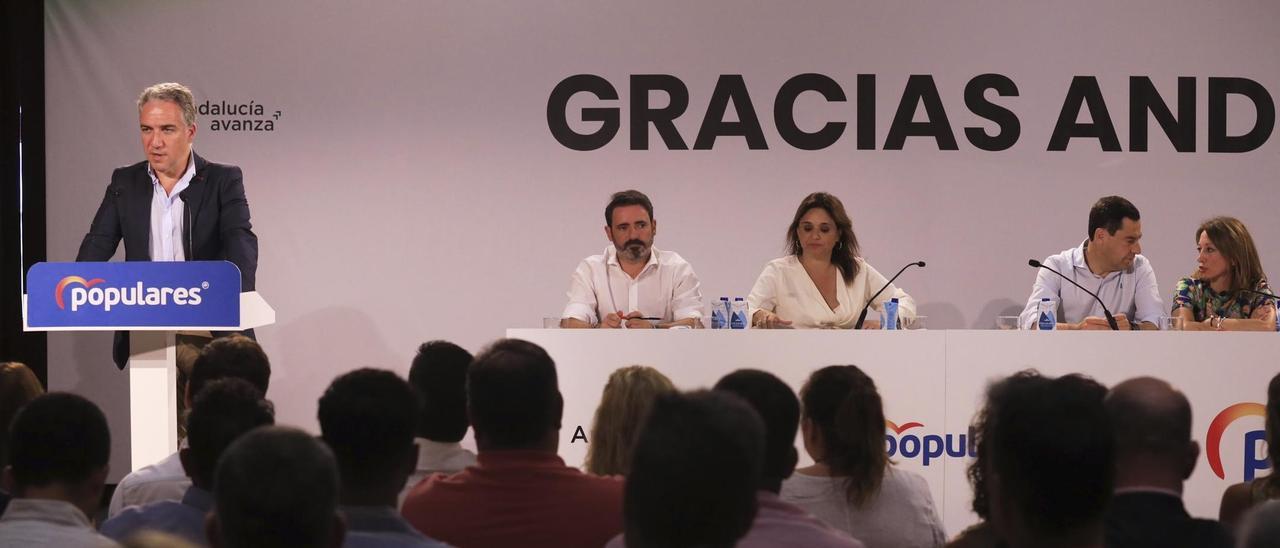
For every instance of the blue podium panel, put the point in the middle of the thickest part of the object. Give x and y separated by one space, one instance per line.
134 294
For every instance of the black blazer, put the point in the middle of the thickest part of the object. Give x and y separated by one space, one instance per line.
1157 520
215 225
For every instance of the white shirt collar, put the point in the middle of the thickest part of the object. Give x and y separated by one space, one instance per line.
183 180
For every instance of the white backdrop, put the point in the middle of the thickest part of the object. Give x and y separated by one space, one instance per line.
410 188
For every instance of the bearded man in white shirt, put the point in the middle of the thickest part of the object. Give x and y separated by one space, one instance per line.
1109 264
633 284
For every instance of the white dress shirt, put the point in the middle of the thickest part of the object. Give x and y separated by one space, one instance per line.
164 480
436 457
785 288
43 522
667 288
1131 292
166 215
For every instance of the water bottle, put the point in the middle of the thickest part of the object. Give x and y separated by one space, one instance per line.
720 314
738 314
890 314
1048 314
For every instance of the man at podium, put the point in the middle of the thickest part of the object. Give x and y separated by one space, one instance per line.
174 205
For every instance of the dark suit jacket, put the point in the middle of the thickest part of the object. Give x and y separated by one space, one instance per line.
215 224
1156 520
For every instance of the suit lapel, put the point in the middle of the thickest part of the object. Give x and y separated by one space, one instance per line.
139 214
192 198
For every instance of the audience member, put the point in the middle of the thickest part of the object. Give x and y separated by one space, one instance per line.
235 356
439 374
983 534
520 493
1261 526
223 411
368 418
852 485
623 406
694 473
275 486
778 523
59 453
1051 462
1239 498
18 385
1151 423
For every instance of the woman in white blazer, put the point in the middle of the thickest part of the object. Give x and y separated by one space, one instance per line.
823 283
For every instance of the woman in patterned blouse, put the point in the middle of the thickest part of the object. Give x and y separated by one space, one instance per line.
1218 296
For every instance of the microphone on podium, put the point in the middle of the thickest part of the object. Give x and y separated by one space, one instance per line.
862 317
1111 320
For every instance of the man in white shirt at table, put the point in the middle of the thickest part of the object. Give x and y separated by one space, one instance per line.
1109 264
632 284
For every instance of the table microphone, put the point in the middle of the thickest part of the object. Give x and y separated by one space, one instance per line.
1111 320
862 317
1255 292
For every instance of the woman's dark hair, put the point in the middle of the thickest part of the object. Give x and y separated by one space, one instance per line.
980 435
846 411
1235 244
846 247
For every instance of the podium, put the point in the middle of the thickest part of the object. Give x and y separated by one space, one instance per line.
153 301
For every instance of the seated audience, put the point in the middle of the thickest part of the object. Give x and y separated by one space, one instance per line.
1228 290
1261 526
439 374
519 493
1151 423
623 406
778 523
1239 498
694 474
275 486
852 485
223 411
59 452
234 356
1051 458
18 385
368 417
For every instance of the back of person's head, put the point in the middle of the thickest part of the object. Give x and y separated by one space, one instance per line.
1273 427
513 397
1261 527
774 401
368 418
60 439
623 406
18 386
843 411
225 410
1051 462
1151 423
439 374
275 486
694 473
1109 213
234 356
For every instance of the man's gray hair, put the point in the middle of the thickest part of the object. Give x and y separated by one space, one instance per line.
175 93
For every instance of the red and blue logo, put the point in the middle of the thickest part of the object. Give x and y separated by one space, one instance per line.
63 283
927 447
1252 464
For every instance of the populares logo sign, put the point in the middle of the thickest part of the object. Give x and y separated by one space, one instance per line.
95 292
927 447
1252 440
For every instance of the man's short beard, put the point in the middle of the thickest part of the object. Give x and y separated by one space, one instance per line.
636 253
